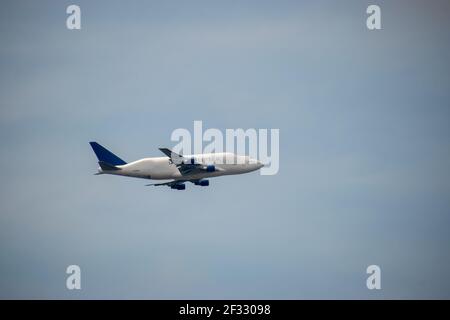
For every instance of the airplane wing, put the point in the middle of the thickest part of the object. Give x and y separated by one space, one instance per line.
174 157
190 168
169 184
175 184
187 165
180 184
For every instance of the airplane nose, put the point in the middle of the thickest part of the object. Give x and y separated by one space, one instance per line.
260 164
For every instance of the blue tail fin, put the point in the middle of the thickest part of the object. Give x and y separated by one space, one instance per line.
105 155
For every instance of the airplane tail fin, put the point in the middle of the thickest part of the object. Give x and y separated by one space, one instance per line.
105 156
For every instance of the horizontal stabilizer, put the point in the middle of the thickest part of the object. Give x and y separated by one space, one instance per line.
107 166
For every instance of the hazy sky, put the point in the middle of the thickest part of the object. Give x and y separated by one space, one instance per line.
364 149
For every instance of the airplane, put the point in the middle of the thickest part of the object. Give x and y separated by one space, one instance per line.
175 167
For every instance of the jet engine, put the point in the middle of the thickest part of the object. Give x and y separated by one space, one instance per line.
178 186
203 183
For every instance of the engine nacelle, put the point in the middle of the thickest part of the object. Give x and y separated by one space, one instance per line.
210 168
203 183
178 186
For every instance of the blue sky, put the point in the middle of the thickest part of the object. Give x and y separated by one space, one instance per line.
364 149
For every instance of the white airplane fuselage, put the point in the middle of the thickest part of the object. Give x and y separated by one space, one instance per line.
163 168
